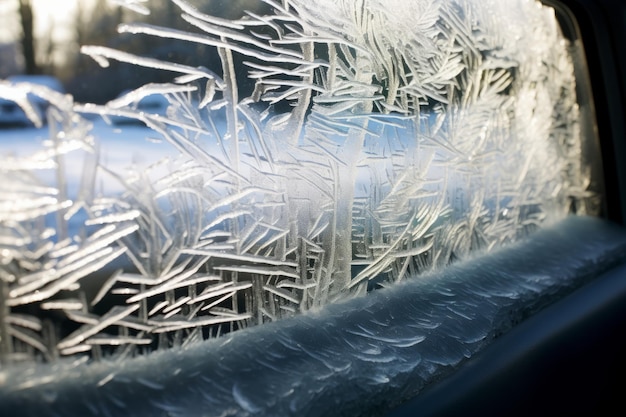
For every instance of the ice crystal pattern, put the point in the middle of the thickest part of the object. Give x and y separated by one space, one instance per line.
417 132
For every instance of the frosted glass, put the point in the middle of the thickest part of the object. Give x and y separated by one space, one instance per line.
381 140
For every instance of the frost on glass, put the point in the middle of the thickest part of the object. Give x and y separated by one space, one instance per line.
382 139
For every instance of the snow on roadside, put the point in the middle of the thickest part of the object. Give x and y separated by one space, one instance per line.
121 149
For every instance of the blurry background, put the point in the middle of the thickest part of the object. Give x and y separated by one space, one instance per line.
44 37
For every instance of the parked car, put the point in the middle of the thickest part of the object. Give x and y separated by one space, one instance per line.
12 114
154 104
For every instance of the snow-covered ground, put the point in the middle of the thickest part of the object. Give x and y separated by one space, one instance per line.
121 148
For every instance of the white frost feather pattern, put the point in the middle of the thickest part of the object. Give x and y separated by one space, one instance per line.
419 131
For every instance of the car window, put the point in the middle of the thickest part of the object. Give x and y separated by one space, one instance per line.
207 169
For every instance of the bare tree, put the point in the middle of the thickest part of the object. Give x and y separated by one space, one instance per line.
27 20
